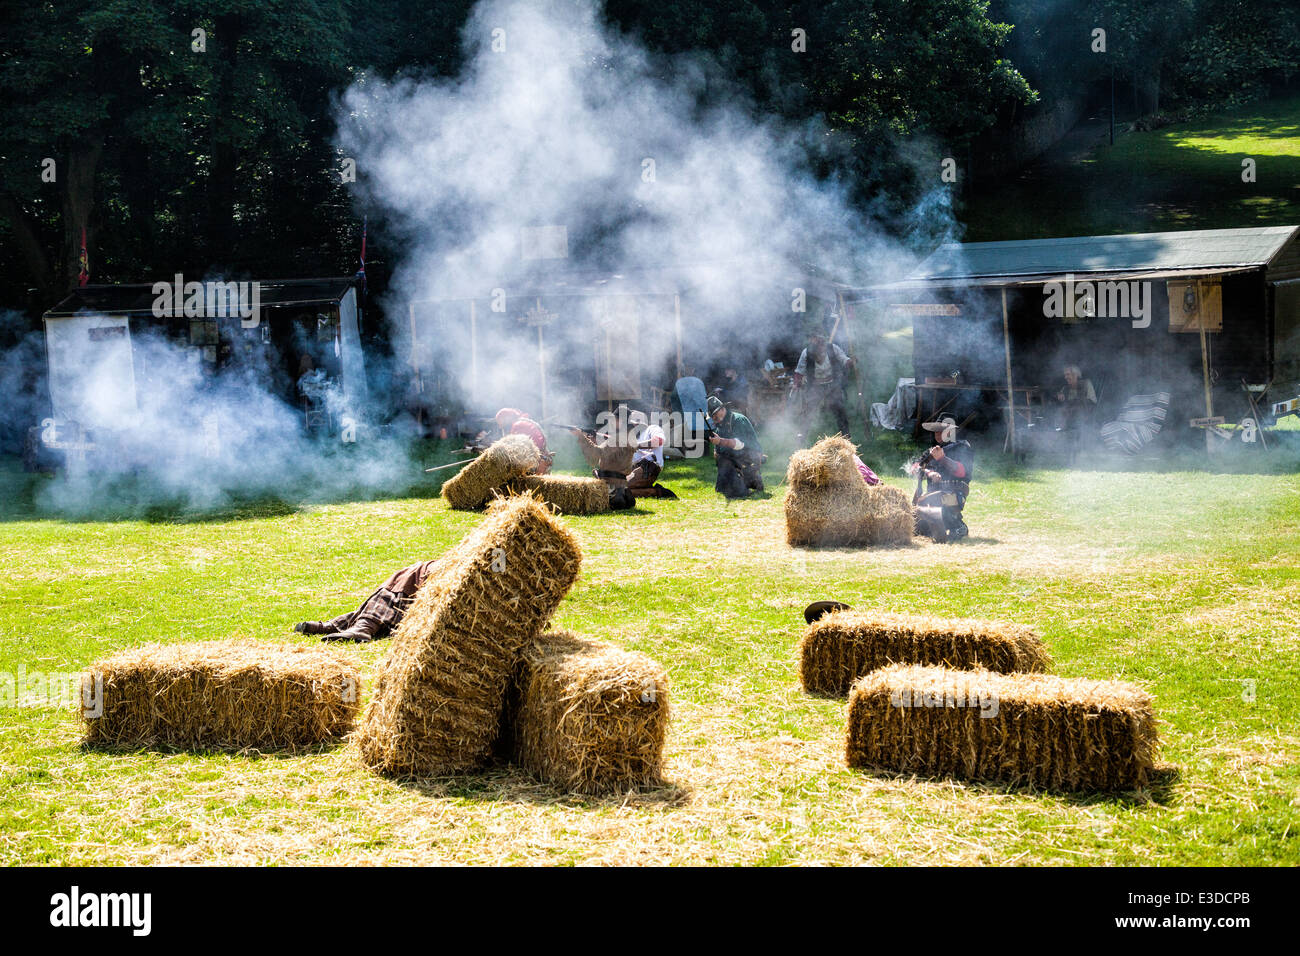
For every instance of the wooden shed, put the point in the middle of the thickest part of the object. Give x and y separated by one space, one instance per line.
1212 317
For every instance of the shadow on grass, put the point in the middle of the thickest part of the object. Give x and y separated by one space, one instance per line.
509 783
1160 790
249 753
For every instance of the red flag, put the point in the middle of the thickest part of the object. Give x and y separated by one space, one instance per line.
84 276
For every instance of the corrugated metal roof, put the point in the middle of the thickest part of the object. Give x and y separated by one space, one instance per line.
1152 251
993 282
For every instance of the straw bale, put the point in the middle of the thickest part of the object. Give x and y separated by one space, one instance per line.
471 487
889 517
438 698
223 695
590 718
569 494
827 516
1051 732
829 462
845 645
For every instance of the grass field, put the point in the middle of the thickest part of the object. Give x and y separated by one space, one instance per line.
1186 582
1183 176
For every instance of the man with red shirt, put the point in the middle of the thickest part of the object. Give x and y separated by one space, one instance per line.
512 421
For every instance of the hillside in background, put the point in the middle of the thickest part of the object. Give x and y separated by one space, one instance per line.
1182 176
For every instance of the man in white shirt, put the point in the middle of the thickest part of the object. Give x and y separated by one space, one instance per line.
820 375
648 461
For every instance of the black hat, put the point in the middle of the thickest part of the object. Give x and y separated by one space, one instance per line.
714 404
819 609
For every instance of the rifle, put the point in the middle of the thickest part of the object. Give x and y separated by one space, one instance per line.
589 432
474 450
919 465
454 464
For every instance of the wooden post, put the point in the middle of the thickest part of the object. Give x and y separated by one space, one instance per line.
473 354
1205 377
609 385
1011 392
541 355
415 369
677 315
853 354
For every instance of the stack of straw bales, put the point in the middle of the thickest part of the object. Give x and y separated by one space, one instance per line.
829 505
845 645
1050 732
220 695
589 717
471 487
438 702
568 494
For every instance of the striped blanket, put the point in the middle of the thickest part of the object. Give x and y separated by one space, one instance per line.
1139 421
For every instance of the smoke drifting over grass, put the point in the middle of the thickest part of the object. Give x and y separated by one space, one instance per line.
150 429
648 162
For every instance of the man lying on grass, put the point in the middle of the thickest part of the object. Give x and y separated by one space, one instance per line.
378 615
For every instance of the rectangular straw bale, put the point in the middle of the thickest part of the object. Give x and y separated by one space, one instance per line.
828 516
1024 729
590 718
845 645
438 699
889 518
471 487
221 695
829 462
569 494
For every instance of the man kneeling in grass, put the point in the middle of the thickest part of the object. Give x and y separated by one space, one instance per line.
378 615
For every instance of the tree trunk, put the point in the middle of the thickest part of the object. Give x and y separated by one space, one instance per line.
225 161
78 200
30 246
1146 89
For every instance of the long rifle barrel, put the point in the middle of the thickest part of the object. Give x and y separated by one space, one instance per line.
454 464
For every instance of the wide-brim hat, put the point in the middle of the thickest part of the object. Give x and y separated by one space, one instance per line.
819 609
941 426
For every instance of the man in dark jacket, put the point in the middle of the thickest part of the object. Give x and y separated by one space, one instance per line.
736 450
947 476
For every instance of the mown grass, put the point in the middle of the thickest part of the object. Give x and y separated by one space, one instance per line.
1183 176
1187 582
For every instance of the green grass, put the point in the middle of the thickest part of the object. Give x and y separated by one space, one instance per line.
1184 176
1187 582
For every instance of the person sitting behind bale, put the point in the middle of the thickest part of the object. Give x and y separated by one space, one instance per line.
512 421
379 614
736 451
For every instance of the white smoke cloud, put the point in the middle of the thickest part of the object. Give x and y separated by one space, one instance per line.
557 120
143 425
